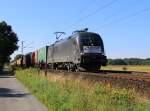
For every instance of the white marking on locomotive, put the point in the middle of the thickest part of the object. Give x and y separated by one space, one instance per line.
92 49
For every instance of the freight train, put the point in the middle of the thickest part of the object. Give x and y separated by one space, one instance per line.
82 50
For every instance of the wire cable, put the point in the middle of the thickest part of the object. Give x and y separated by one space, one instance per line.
94 12
125 18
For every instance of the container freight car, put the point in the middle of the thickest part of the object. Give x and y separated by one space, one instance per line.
19 62
32 59
27 60
42 57
36 58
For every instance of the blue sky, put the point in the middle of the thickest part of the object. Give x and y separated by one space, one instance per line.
124 34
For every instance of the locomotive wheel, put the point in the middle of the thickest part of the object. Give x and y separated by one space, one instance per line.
68 68
75 68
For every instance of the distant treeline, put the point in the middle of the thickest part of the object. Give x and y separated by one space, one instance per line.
129 61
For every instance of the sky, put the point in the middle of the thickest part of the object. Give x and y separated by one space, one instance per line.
124 25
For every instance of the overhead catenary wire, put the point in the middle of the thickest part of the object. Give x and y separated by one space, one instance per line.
124 18
94 12
83 10
86 8
23 46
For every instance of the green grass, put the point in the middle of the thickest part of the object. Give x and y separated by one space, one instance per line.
70 95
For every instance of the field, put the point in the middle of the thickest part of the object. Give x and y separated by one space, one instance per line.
60 93
127 68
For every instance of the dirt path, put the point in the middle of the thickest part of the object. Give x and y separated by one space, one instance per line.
15 97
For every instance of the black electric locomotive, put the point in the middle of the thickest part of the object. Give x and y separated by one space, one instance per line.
82 50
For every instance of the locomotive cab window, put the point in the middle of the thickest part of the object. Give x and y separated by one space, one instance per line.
90 41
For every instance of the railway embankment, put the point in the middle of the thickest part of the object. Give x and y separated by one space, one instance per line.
80 91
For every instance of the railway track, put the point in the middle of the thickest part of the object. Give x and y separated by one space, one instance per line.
130 75
138 81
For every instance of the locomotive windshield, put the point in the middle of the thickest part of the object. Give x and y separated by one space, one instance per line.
92 40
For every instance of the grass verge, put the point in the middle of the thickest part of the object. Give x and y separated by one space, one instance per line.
63 94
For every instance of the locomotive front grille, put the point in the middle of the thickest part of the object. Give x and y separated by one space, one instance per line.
90 59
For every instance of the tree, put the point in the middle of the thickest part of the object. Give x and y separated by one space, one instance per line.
116 62
8 42
129 61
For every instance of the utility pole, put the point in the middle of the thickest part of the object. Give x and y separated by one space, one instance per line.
22 47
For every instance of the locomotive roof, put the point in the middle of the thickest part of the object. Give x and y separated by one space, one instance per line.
75 35
87 33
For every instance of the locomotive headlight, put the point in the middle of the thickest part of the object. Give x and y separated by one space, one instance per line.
82 53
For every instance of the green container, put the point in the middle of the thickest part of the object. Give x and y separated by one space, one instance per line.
42 55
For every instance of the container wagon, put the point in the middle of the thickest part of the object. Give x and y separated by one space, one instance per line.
42 57
27 60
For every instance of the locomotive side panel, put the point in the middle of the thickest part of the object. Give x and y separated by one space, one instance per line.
50 55
66 51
